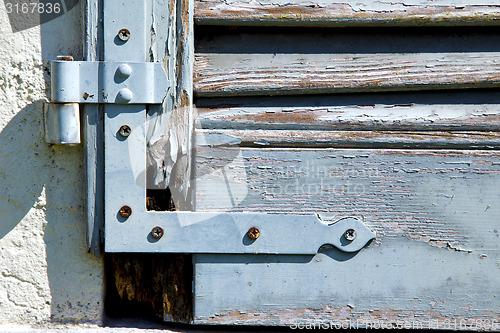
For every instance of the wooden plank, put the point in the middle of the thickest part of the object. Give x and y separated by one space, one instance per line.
434 111
434 212
349 139
347 13
397 284
277 74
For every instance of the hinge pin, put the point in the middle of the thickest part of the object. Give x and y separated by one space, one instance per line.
64 58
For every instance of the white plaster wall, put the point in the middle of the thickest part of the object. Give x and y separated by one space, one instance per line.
46 273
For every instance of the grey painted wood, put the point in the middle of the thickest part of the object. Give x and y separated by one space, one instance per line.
276 74
430 111
350 139
93 136
346 13
435 257
399 282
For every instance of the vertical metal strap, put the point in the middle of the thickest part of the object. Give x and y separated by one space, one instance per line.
125 32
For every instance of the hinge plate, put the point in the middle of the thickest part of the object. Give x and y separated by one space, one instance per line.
108 82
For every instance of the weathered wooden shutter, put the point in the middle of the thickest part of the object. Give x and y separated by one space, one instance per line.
386 111
382 111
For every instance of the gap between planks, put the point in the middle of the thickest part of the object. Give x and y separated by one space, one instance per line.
346 13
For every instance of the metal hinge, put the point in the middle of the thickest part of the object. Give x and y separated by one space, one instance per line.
105 82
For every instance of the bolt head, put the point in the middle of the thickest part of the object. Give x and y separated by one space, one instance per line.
157 232
253 233
125 95
350 235
125 131
124 35
124 71
125 211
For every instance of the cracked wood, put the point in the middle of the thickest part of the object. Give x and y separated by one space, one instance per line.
434 111
277 74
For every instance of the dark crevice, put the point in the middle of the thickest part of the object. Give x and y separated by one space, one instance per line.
151 287
159 200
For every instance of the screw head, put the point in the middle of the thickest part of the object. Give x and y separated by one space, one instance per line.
157 232
125 130
253 233
125 211
350 235
124 35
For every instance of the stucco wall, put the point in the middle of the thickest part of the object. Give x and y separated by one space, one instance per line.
46 273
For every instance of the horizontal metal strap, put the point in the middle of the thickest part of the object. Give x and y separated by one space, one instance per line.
108 82
196 232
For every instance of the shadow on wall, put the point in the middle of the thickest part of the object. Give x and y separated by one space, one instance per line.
50 179
30 167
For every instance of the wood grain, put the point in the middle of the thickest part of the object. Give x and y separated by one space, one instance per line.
434 258
349 139
417 193
434 111
346 13
277 74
